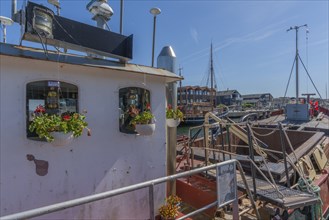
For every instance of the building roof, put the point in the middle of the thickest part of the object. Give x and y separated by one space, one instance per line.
255 96
203 88
53 56
227 92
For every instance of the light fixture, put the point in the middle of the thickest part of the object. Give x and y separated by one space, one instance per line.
155 11
43 22
4 21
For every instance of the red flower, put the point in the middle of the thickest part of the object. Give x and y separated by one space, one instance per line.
40 109
148 106
66 117
169 106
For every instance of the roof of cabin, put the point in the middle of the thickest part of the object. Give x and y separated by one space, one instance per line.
52 56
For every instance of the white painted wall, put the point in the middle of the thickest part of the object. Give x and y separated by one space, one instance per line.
106 160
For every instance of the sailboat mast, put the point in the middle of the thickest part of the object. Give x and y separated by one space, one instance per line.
211 78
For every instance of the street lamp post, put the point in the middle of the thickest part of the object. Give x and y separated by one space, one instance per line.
154 12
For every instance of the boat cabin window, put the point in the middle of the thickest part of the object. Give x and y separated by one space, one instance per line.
54 96
132 101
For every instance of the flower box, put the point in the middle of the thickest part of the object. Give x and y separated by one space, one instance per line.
61 139
145 129
172 122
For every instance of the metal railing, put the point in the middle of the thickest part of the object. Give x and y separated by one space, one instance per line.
150 184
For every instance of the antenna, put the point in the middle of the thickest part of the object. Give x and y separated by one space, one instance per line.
4 21
102 12
296 28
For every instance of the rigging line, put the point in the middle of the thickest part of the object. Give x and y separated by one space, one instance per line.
220 76
307 31
292 68
309 77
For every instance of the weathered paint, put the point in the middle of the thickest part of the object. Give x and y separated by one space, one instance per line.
106 160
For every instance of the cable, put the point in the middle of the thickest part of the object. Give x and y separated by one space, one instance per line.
310 77
292 68
44 49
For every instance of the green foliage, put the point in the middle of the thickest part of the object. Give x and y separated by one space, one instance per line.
247 105
220 106
174 114
43 124
144 117
171 208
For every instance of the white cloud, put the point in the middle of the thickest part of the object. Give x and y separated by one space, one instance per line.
194 34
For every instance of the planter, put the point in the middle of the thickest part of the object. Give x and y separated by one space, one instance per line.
61 139
172 122
145 129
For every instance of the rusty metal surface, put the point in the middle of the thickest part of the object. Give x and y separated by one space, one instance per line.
197 192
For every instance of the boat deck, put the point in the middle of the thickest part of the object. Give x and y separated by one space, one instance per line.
291 198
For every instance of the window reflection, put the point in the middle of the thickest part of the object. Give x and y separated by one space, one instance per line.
56 97
132 100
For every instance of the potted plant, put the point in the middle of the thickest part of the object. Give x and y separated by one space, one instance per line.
173 116
58 129
171 208
144 123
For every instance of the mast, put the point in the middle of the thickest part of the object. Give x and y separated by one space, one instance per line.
180 86
296 59
211 79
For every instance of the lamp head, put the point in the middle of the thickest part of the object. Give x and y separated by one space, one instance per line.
155 11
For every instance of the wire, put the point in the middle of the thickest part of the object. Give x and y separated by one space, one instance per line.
307 31
310 77
43 46
292 68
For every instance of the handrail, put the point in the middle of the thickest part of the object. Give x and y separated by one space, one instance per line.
99 196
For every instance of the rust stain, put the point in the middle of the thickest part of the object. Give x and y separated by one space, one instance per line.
41 166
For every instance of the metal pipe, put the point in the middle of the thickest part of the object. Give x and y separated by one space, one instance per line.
121 15
222 139
247 189
297 80
283 145
13 9
251 154
99 196
4 32
228 139
198 211
151 201
153 42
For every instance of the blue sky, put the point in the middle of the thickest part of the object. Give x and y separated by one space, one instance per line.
253 53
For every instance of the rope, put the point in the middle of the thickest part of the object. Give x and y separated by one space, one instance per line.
264 135
316 208
256 146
